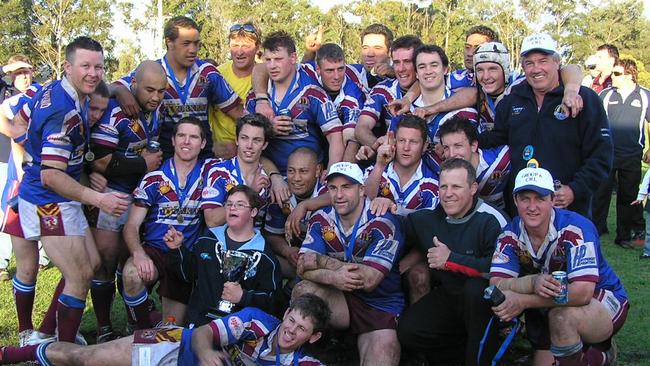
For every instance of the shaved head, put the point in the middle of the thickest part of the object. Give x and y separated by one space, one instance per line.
149 84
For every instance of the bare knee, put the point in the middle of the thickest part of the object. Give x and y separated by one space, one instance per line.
131 278
418 278
304 287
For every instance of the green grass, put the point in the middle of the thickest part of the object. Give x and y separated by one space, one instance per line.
632 340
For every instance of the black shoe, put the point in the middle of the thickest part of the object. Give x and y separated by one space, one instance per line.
625 244
644 256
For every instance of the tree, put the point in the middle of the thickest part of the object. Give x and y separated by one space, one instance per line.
16 29
60 21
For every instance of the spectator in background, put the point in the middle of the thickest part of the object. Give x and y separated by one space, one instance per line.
607 55
592 73
626 104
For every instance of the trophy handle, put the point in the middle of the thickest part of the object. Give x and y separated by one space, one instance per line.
252 263
219 253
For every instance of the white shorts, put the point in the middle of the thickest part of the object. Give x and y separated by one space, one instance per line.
52 219
156 347
109 222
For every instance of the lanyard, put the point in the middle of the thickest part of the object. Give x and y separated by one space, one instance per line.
276 107
149 126
184 91
401 196
240 179
182 193
349 249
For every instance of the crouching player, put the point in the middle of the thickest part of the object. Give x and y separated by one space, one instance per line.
538 242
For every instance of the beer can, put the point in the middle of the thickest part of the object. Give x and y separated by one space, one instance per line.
562 278
284 112
153 146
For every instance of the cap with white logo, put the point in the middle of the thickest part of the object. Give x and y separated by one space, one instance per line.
538 42
348 170
534 179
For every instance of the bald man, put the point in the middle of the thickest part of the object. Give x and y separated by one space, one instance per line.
123 152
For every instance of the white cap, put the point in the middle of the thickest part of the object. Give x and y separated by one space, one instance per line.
349 170
538 42
534 179
9 68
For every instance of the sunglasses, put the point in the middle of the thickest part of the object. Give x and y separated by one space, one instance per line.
591 67
617 73
246 27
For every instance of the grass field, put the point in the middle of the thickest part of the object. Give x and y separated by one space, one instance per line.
633 340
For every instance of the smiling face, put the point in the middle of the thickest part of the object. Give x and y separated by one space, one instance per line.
542 71
491 78
534 210
456 193
302 174
430 71
403 66
345 195
242 52
373 50
295 330
457 145
187 142
250 143
84 70
184 49
409 146
280 64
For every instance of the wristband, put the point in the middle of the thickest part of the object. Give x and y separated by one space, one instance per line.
259 99
272 173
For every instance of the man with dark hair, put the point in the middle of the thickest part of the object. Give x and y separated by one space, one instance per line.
203 269
244 41
474 37
459 139
530 120
50 196
254 132
349 258
539 241
457 239
123 155
303 178
308 116
249 336
169 196
193 85
606 58
375 117
628 111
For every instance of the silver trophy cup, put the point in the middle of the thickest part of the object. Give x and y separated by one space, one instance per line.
235 266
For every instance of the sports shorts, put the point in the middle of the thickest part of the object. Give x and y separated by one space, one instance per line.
52 219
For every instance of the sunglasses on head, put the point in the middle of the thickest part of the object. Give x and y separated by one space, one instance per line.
246 27
591 67
617 73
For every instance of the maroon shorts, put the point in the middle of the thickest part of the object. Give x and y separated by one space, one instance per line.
171 286
364 319
11 220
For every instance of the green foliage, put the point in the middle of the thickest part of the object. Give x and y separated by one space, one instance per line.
16 29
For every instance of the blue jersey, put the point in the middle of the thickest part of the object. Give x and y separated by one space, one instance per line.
313 114
168 204
572 246
221 177
362 78
204 86
420 192
377 243
348 101
377 102
247 336
492 174
57 136
460 79
125 136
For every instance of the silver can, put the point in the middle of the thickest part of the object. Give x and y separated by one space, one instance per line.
562 278
153 146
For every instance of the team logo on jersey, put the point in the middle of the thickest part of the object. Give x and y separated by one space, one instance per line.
167 211
500 258
386 249
202 82
134 126
209 192
139 193
286 208
231 184
384 189
517 110
496 175
236 326
328 233
636 103
559 113
362 240
303 103
164 188
46 100
525 259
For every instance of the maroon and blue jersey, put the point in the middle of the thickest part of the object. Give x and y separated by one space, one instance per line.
221 177
572 246
348 102
376 106
58 132
204 86
377 242
460 79
492 174
420 192
313 114
364 80
126 136
169 204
